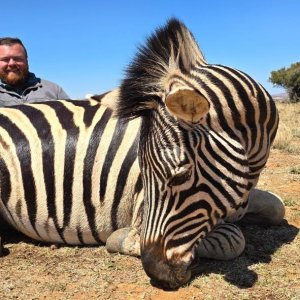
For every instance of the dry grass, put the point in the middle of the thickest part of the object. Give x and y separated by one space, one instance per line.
288 135
268 268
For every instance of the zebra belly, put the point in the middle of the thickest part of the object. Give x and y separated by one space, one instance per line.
79 231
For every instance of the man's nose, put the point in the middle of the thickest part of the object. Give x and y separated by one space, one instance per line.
11 61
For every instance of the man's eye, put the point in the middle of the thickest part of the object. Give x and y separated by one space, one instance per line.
14 58
19 59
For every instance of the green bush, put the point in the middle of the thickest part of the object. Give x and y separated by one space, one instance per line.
288 78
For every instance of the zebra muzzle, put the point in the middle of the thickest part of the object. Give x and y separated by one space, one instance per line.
164 273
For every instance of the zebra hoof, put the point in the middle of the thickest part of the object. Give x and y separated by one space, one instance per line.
264 208
125 241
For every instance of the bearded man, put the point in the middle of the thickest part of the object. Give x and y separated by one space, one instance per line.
17 84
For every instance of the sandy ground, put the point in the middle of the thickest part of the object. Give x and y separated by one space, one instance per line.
268 268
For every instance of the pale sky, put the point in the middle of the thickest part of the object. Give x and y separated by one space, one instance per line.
85 46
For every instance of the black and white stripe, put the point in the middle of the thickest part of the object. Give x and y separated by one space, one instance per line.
65 169
195 174
172 155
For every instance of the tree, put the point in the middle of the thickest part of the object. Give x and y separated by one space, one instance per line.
288 78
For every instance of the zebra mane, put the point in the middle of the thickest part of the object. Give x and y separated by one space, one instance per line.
170 50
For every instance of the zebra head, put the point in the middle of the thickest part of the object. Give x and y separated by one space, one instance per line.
179 205
158 89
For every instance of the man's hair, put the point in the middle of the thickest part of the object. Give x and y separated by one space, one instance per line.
9 41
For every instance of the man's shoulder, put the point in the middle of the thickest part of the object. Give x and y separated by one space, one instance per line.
54 88
48 83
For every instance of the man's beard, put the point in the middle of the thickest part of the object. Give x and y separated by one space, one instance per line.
16 78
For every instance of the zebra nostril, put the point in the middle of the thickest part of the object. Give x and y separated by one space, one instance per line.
162 272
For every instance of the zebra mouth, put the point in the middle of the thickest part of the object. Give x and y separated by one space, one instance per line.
169 277
174 282
167 274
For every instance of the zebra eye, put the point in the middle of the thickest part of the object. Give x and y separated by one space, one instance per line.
180 177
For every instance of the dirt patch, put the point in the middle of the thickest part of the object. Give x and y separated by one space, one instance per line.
268 268
278 175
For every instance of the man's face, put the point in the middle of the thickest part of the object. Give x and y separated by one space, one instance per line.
13 64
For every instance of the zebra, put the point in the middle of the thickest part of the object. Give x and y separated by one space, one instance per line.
159 168
205 137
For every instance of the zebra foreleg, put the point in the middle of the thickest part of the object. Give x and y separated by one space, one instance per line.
125 241
264 208
225 242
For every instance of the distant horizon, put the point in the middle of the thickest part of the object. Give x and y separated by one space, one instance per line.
86 46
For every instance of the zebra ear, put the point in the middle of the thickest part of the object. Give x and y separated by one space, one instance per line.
188 105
